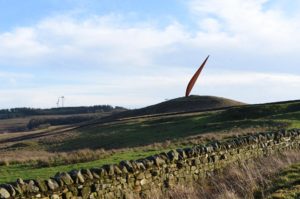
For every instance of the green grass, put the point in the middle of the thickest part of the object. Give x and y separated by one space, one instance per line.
292 118
136 133
160 129
287 185
140 133
12 172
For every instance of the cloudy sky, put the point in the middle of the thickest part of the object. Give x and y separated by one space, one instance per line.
133 53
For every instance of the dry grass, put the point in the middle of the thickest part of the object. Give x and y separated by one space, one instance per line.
249 179
82 155
45 159
222 135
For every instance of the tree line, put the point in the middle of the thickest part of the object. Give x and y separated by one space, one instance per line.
24 112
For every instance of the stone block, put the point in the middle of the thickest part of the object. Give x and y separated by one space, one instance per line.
4 193
10 189
87 174
109 169
52 184
77 176
173 155
85 192
67 195
42 185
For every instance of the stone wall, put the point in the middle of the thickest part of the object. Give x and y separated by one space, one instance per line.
139 177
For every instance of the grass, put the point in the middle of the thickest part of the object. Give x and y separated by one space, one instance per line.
183 104
129 134
251 179
292 118
28 171
160 129
287 185
11 125
20 124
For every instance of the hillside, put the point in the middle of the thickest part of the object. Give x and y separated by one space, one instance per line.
183 104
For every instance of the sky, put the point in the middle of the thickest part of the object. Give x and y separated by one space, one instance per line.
135 53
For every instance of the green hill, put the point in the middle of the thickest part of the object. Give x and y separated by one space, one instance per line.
192 103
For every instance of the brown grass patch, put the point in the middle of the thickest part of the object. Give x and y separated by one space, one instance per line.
40 158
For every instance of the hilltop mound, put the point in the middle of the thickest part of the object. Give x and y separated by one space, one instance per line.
191 103
184 104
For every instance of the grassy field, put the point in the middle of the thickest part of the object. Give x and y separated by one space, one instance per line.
159 132
28 171
287 184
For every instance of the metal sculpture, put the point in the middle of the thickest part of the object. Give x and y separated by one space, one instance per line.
194 78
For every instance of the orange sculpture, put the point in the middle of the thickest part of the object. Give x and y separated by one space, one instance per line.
194 78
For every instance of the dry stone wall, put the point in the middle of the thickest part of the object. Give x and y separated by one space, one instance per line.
139 177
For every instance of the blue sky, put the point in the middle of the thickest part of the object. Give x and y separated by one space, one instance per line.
134 53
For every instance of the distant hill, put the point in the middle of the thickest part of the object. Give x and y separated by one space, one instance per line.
183 104
23 119
25 112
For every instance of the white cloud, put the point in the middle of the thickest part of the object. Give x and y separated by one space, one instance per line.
96 40
248 25
230 27
21 45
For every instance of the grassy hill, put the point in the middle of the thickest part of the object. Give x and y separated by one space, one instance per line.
183 104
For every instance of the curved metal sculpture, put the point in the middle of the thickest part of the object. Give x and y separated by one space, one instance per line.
194 78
